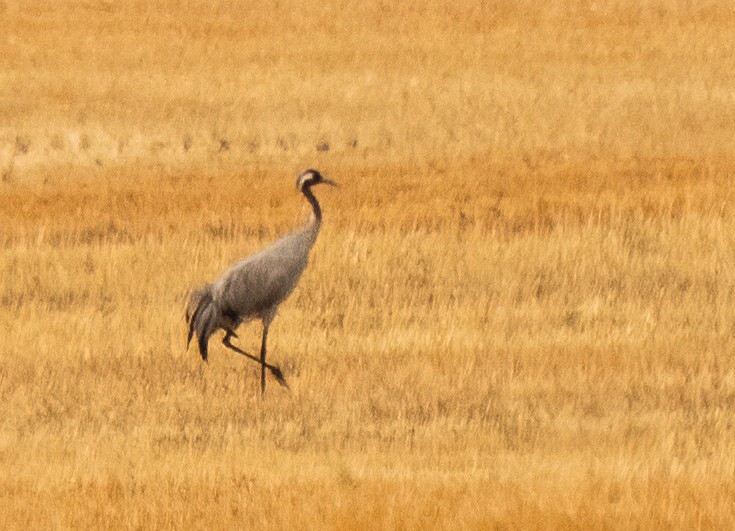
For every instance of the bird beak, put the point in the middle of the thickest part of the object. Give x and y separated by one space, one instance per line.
330 183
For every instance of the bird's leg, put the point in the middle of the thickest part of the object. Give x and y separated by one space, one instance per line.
262 359
275 370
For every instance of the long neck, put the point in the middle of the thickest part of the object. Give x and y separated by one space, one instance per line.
316 220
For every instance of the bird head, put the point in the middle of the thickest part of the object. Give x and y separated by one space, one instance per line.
311 177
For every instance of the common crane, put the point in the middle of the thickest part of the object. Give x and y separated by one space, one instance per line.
253 287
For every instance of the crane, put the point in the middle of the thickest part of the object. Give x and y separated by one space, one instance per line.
254 287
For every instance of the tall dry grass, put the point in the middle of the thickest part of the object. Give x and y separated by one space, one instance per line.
519 312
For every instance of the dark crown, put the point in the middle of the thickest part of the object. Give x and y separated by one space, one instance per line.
308 178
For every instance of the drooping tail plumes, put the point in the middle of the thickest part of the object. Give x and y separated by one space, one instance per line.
200 316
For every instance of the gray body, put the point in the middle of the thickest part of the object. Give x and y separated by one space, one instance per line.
254 287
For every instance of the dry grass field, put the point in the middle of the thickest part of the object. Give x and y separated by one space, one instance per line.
520 312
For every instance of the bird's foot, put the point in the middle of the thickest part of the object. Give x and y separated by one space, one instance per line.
278 375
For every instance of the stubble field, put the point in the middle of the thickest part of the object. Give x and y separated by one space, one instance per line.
519 312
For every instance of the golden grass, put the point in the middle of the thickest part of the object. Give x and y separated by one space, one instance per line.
519 312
